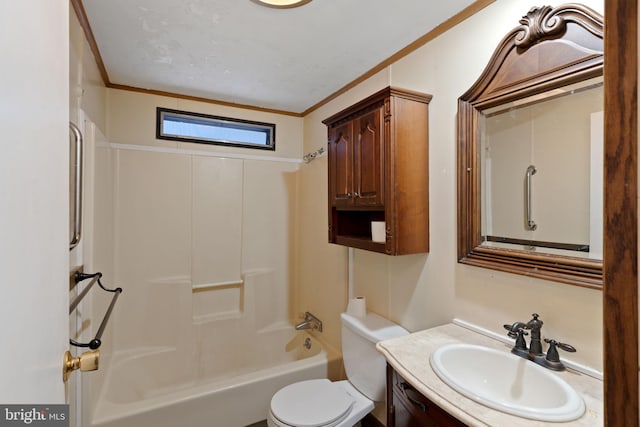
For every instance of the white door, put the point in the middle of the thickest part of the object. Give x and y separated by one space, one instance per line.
34 247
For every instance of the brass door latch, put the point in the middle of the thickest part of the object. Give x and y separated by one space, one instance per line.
87 361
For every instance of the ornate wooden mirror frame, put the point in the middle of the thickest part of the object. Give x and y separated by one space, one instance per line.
552 48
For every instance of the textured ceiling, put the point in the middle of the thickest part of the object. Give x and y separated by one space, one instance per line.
240 52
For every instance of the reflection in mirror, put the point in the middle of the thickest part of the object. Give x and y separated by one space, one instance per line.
530 155
541 180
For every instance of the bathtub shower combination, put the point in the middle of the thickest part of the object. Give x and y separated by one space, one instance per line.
202 244
224 375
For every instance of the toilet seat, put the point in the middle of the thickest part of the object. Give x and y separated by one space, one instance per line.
313 403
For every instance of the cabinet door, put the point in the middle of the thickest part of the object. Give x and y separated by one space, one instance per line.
368 159
407 407
341 165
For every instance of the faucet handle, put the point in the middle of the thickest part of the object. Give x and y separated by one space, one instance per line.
552 352
566 347
552 361
515 330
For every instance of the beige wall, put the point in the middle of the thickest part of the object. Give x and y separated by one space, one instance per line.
132 120
420 291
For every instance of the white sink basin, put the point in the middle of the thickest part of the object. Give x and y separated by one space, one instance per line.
506 382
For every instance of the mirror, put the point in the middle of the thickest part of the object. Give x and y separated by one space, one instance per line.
530 151
541 172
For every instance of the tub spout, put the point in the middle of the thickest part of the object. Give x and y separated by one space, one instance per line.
303 325
310 322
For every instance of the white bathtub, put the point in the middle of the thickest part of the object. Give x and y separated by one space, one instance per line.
159 387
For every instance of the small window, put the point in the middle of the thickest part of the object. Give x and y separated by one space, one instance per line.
177 125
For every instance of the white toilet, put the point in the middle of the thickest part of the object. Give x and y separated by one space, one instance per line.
322 403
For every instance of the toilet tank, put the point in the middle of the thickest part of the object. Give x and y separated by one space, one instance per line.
365 367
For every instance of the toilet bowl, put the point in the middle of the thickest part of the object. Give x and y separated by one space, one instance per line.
318 403
322 403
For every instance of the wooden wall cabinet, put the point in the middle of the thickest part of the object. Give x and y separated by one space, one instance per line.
407 407
379 171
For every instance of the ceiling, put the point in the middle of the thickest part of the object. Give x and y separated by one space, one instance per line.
239 52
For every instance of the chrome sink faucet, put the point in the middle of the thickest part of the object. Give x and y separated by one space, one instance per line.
534 353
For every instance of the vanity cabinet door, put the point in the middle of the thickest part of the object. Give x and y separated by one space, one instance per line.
407 407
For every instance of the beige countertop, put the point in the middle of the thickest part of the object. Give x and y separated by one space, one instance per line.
409 356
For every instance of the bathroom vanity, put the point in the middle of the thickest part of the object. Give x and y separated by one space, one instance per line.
416 396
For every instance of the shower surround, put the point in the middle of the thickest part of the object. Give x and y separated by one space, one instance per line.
204 246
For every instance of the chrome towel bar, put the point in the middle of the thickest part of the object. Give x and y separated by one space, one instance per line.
95 277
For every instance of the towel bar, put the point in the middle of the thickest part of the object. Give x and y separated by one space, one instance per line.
95 277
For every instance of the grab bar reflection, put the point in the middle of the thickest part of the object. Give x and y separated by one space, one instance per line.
95 277
531 170
77 199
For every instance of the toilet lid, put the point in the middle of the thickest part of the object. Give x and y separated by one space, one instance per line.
312 403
